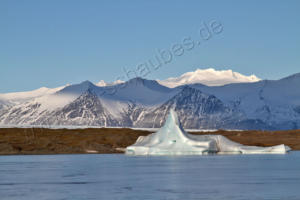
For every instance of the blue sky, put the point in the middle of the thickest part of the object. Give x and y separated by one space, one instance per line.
51 43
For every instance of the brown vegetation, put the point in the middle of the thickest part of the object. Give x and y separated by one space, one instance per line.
107 140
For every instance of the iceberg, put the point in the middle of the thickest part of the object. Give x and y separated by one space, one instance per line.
171 139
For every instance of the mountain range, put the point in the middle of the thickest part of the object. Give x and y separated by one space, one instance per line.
241 103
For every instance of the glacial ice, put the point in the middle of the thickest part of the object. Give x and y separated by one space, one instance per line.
171 139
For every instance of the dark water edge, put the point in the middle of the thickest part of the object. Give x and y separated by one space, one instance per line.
116 176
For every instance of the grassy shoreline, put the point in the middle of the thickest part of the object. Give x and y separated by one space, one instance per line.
40 141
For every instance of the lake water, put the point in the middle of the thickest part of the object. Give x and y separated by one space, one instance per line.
72 177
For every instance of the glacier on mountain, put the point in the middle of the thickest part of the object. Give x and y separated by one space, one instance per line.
25 96
171 139
209 77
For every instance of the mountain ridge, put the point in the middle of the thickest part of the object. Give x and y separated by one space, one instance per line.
142 103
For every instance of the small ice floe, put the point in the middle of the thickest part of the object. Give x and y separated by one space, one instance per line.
91 151
171 139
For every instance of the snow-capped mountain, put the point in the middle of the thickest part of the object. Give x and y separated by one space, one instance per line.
194 107
86 110
209 77
145 103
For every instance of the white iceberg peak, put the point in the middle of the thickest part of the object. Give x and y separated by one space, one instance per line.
210 77
171 139
172 117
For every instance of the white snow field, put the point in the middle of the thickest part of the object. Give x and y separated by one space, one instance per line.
171 139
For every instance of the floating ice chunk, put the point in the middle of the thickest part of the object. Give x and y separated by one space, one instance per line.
171 139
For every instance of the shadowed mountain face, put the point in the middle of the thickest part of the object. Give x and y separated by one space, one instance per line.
194 107
145 103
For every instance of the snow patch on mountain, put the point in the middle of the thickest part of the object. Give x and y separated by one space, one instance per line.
54 101
102 83
209 77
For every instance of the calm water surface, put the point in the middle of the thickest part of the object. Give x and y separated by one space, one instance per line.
72 177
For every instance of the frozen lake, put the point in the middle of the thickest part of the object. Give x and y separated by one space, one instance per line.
78 177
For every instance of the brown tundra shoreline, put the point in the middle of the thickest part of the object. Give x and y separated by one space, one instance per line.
23 141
